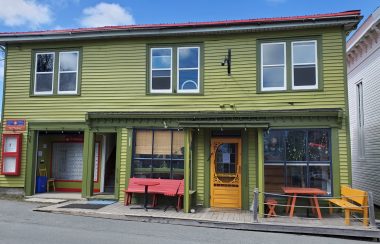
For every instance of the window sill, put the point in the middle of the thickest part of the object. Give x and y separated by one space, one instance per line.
291 91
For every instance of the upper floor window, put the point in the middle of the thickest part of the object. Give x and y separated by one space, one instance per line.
289 65
56 72
175 69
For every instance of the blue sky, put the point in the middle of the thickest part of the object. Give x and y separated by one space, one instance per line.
26 15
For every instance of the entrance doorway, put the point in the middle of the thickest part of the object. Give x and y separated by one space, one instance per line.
225 172
107 169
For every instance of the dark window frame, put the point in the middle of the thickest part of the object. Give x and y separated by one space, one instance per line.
307 162
152 158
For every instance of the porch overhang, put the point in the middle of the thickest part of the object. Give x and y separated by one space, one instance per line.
331 117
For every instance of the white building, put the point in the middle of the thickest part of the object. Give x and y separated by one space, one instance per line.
363 67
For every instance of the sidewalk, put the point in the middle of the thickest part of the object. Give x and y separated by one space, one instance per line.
218 218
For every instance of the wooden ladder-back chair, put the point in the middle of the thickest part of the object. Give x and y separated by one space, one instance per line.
43 172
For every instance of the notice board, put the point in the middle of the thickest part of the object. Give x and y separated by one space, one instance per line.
68 161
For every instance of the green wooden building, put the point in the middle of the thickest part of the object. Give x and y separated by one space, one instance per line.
227 106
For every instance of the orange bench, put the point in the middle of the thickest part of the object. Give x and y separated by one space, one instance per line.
353 200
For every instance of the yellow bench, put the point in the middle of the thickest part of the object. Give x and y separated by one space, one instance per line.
353 200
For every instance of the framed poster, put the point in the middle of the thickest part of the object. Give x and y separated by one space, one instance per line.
67 161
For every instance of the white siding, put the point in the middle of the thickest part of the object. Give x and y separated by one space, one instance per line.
366 170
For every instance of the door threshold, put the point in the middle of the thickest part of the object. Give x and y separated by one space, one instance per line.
104 197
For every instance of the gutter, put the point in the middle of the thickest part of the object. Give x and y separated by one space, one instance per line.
350 22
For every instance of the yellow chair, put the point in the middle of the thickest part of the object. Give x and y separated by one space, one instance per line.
43 172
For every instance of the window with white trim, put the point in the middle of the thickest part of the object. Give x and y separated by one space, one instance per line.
188 69
273 66
175 69
161 70
56 72
289 65
304 65
44 73
68 72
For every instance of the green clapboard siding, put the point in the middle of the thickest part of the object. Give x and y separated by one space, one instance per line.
200 161
124 170
252 162
114 79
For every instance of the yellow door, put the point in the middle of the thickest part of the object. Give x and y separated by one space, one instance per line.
225 172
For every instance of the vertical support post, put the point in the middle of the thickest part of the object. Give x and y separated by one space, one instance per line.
186 197
31 162
88 164
260 171
255 204
372 219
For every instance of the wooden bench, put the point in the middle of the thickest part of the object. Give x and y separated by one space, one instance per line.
133 187
353 200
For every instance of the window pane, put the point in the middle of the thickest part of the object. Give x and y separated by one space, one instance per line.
161 169
160 83
273 54
188 79
273 77
226 158
68 61
44 82
161 52
274 146
320 177
142 168
143 143
304 75
296 145
67 81
188 57
161 58
162 144
303 52
178 169
178 144
274 177
318 145
45 62
296 175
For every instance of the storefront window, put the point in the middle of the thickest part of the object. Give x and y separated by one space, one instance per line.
158 154
297 158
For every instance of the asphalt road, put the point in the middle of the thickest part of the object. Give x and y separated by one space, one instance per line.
19 224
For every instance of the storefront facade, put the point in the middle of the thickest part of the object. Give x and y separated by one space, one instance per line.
165 108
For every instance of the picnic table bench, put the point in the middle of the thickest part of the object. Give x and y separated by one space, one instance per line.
166 187
353 200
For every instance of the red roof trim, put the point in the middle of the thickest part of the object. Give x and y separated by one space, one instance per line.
191 24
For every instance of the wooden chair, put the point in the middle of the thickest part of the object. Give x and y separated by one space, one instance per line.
43 172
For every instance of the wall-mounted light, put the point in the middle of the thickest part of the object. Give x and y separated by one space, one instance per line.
227 61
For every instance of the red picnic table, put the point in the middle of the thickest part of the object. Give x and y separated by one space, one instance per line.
146 184
295 191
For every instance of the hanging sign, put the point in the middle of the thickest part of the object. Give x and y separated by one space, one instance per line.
15 124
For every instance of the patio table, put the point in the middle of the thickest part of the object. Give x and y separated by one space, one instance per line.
146 184
293 192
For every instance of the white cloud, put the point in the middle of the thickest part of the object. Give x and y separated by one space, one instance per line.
106 14
24 12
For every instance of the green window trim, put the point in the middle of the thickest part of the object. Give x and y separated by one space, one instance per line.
288 86
56 72
174 69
